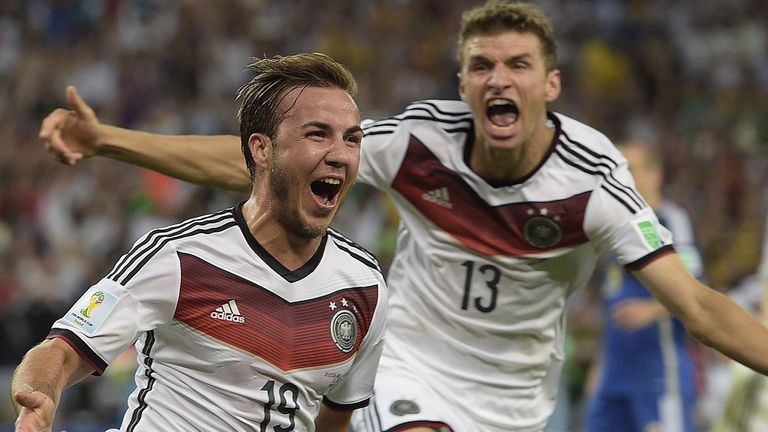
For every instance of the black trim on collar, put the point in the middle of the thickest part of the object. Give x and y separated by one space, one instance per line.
271 261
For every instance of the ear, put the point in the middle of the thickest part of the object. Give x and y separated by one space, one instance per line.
552 90
461 86
260 146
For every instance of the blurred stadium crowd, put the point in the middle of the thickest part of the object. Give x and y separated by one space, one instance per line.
691 75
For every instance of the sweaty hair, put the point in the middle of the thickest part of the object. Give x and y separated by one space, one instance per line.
261 109
498 16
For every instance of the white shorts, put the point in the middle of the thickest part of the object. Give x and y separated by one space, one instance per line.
401 402
406 398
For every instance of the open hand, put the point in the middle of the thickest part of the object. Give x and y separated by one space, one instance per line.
36 414
71 134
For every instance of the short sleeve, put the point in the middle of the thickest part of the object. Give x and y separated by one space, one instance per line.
619 220
110 316
381 152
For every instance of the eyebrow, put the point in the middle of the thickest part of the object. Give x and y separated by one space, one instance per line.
513 58
326 126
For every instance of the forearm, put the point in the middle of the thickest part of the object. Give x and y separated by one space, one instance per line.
725 326
708 315
49 368
331 420
215 161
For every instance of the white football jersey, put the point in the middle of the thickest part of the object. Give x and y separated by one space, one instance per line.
482 272
228 339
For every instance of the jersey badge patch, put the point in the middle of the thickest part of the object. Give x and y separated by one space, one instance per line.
649 233
343 328
403 407
91 310
542 232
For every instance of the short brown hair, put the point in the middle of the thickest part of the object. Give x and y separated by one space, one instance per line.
497 16
260 99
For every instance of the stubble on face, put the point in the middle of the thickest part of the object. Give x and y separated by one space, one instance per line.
286 215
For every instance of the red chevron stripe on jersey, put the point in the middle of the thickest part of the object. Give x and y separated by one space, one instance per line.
488 230
288 335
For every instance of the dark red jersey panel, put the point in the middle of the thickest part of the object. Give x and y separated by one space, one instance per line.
251 318
522 228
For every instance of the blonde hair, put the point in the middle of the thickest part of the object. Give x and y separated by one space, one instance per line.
261 98
497 16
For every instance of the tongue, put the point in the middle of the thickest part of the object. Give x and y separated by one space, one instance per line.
503 119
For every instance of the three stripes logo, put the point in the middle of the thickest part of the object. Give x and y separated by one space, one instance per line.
439 196
228 312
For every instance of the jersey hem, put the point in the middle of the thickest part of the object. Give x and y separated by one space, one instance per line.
651 257
419 423
345 407
83 350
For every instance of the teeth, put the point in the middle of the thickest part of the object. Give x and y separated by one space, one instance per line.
331 181
498 102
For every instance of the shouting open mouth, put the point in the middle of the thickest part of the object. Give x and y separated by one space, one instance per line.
326 191
502 112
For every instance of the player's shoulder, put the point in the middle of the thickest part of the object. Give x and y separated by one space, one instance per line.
576 133
353 253
584 148
442 113
203 226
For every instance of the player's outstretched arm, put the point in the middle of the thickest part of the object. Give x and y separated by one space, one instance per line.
76 133
708 315
43 374
331 420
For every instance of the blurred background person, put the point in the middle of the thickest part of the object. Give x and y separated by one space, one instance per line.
744 406
646 377
697 72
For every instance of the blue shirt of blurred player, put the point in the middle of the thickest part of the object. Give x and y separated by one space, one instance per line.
648 377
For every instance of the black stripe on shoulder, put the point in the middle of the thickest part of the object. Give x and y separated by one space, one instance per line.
644 261
422 110
71 338
604 165
139 248
354 250
165 241
632 209
464 130
435 111
150 374
142 252
623 194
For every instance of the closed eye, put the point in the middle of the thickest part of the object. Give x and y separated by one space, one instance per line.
317 134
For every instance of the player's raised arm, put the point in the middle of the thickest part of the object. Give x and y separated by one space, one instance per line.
39 380
709 315
76 133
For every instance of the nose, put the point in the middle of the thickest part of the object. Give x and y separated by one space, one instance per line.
339 153
500 78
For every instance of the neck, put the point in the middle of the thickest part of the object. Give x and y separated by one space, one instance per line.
501 165
290 250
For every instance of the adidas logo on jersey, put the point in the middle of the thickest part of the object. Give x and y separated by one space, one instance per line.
228 312
439 196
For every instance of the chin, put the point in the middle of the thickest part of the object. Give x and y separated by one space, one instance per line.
316 228
502 142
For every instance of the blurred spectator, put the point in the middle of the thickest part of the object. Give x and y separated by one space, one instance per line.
696 71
